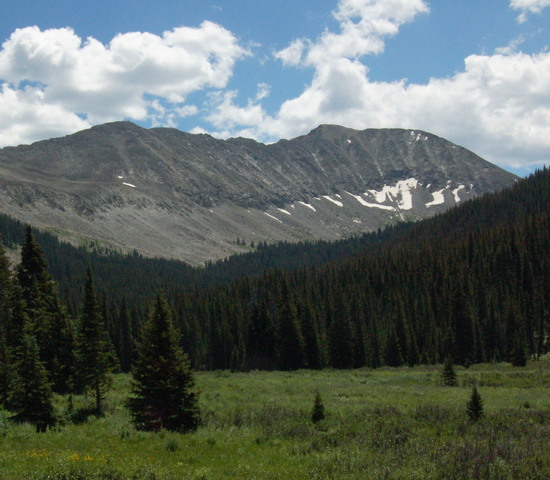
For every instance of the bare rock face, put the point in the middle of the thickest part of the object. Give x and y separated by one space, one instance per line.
179 195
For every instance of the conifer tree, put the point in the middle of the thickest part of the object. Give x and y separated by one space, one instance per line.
30 396
448 375
291 346
518 355
5 370
32 272
310 329
125 345
318 411
341 336
393 356
163 394
48 320
5 286
517 351
474 407
95 353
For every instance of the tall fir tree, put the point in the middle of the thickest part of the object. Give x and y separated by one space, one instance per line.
291 346
48 319
163 394
32 272
125 343
94 350
341 335
5 287
30 396
5 370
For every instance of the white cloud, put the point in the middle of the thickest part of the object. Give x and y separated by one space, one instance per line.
232 120
125 79
498 106
56 83
24 116
363 24
292 55
533 6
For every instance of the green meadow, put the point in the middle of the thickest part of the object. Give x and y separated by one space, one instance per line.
389 423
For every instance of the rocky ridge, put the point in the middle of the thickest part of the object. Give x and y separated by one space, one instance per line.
173 194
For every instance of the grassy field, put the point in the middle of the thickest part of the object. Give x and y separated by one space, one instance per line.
381 424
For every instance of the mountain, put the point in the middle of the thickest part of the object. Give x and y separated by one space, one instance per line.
173 194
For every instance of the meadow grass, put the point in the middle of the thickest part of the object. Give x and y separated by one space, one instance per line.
389 423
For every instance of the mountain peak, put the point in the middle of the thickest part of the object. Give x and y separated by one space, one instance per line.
174 194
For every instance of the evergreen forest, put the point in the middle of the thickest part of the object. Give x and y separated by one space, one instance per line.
472 283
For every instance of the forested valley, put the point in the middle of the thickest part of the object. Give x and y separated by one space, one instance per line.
472 282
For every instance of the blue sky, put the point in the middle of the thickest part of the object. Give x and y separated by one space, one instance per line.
474 72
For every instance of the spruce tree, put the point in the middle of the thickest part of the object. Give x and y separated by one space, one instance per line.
48 320
318 411
94 351
163 394
5 287
393 356
5 370
30 396
341 336
474 407
448 374
32 273
290 345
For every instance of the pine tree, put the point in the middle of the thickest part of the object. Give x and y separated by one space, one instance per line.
318 411
5 370
163 394
125 338
516 332
341 336
94 351
48 320
393 356
30 396
474 407
291 346
32 272
5 287
448 375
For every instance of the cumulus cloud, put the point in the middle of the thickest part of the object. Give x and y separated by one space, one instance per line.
55 83
363 24
71 83
24 116
526 6
498 106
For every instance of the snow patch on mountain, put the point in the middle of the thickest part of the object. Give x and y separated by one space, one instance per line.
308 205
274 218
455 192
284 211
336 202
439 198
